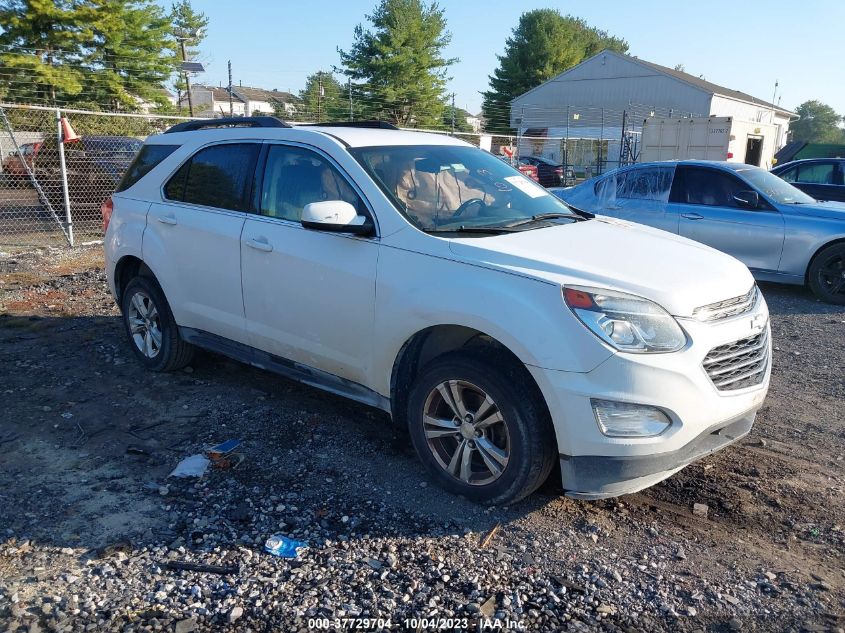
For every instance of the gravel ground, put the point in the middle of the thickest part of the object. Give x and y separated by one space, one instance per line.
91 526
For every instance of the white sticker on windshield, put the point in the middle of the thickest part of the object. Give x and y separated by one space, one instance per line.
526 186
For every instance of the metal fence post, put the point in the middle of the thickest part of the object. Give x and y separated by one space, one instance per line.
63 167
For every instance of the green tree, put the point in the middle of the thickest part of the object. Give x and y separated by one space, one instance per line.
398 65
42 49
543 45
189 26
819 123
461 115
130 53
323 99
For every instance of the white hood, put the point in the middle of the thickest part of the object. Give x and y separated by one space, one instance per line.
677 273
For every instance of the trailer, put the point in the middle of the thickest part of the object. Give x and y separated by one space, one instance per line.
709 138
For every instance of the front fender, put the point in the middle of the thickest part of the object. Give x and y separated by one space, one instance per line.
417 291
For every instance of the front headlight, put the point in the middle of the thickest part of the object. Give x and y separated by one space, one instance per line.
626 322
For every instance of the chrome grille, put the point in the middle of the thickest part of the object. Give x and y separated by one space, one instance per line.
740 364
727 308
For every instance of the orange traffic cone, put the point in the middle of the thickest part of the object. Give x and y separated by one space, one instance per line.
68 135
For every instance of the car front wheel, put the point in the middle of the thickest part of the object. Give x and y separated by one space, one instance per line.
479 426
152 332
827 274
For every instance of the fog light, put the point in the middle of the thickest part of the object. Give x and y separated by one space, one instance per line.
621 419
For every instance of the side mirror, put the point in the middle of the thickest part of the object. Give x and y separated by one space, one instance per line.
336 216
747 199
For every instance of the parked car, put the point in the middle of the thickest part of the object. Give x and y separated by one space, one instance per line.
821 178
14 165
95 165
421 275
530 171
779 232
549 173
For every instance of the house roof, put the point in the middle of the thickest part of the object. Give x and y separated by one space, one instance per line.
709 86
260 94
697 82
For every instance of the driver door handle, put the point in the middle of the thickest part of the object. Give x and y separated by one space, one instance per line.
167 219
692 216
259 245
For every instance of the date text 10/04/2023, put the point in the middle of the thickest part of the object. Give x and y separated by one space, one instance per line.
416 624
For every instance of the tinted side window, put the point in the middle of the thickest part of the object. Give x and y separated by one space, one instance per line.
218 176
707 187
789 175
294 177
146 159
816 174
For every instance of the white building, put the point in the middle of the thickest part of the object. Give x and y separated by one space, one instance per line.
209 101
587 102
261 101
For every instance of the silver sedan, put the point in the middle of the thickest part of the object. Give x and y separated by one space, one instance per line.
779 232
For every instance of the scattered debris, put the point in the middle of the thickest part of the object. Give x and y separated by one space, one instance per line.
136 450
193 466
485 541
700 509
222 455
284 547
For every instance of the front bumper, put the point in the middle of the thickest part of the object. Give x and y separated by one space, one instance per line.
704 418
600 476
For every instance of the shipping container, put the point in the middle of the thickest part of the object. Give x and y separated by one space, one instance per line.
709 138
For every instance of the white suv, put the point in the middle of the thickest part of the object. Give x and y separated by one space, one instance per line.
415 273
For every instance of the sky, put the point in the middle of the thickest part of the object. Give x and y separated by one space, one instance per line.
745 45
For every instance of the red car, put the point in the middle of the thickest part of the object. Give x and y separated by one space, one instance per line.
524 169
13 165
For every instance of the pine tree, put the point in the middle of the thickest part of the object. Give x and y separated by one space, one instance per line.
41 51
543 45
323 98
398 66
130 54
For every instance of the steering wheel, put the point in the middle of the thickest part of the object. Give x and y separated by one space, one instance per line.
466 205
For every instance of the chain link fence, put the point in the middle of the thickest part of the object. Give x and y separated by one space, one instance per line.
51 191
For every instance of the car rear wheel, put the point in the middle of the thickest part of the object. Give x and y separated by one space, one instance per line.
152 332
827 274
477 423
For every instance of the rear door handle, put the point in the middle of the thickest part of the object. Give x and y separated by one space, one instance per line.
259 245
167 219
692 216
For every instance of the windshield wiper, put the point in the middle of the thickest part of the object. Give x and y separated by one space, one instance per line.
546 216
473 229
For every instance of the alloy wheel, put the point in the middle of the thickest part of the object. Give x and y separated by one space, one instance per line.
832 275
144 324
466 433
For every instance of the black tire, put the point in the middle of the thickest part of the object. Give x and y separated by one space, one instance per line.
172 353
827 274
531 438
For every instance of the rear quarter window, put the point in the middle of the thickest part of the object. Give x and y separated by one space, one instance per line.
145 161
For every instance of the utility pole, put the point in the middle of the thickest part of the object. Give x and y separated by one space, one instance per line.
453 114
319 95
187 81
351 115
231 100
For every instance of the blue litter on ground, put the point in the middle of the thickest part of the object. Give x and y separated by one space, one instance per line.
284 547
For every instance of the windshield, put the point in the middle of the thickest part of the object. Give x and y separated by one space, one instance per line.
775 188
447 187
116 147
